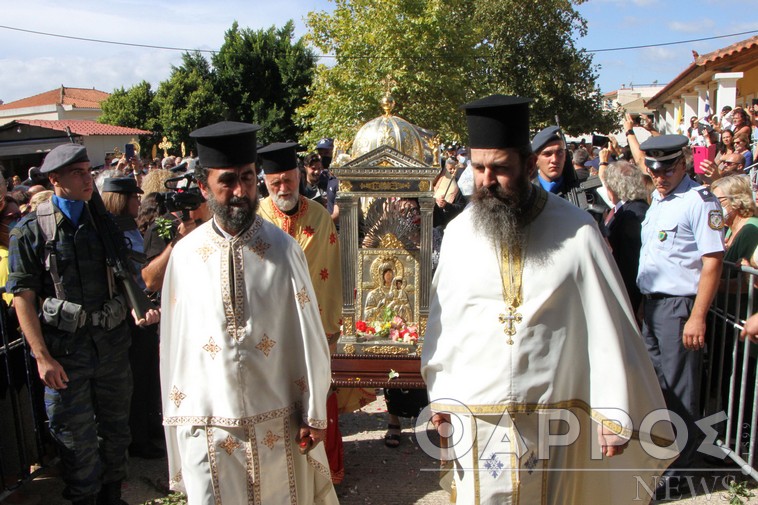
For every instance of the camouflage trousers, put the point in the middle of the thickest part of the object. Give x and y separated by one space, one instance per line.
90 418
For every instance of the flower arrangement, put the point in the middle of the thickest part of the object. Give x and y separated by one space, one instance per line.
388 326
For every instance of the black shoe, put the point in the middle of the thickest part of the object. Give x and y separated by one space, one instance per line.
148 450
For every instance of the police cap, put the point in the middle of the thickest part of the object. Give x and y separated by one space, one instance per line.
547 136
63 156
278 157
498 122
325 143
226 144
663 151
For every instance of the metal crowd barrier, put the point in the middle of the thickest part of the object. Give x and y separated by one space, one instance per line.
730 378
22 414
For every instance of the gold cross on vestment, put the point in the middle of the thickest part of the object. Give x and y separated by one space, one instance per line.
510 322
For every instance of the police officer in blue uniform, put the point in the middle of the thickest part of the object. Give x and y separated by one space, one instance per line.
57 262
680 266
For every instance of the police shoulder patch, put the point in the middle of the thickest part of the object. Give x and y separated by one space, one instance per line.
716 219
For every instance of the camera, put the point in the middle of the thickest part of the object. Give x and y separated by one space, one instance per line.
182 195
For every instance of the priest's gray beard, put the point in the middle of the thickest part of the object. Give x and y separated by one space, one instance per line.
236 215
501 214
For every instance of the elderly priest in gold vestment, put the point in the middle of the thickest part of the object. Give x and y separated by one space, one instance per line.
534 363
244 363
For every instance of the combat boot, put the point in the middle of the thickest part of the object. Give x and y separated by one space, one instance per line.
110 494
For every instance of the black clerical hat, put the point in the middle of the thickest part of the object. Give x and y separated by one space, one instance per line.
278 157
498 122
226 144
63 156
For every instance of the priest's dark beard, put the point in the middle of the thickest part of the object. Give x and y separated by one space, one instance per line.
501 214
236 215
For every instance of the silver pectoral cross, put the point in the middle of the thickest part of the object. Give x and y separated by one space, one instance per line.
510 320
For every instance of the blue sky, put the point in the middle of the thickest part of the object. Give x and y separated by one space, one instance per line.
31 64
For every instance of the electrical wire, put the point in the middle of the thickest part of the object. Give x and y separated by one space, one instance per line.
169 48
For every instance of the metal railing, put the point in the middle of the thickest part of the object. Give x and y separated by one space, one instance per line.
730 378
21 410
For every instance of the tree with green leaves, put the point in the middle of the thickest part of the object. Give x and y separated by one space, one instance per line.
187 100
262 76
529 50
133 108
439 54
418 50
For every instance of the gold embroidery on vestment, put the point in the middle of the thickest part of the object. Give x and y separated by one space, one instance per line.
302 384
212 348
176 396
230 444
303 298
265 345
270 439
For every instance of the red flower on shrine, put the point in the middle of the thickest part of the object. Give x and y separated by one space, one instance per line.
332 238
309 231
324 274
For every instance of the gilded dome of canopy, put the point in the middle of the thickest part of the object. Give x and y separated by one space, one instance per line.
395 132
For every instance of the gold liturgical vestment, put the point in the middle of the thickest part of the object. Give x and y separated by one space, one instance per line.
314 230
576 355
243 362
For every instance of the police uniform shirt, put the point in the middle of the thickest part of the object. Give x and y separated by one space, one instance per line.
678 230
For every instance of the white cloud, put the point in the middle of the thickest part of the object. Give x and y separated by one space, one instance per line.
656 55
703 25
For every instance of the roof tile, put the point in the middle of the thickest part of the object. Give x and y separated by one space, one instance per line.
78 97
85 128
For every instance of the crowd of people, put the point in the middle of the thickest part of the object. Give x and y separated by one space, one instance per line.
590 269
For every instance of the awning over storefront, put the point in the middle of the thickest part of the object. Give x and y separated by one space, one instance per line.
33 146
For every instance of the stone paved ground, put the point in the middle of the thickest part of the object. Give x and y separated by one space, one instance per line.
375 475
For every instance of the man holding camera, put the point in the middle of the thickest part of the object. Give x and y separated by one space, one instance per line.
81 344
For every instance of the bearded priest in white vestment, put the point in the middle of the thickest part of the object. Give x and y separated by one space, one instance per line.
531 343
245 366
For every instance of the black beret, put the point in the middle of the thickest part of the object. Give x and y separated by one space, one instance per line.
278 157
498 122
663 150
226 144
63 156
121 185
545 137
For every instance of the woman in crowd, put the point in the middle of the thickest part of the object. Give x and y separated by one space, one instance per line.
121 197
736 197
741 124
742 146
726 146
448 200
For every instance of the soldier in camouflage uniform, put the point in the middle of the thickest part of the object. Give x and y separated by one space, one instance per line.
81 346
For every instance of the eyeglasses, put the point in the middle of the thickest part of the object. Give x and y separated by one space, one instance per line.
730 163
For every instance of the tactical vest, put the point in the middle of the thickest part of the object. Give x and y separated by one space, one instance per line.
78 255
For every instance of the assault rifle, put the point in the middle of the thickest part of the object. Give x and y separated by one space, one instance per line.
116 256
